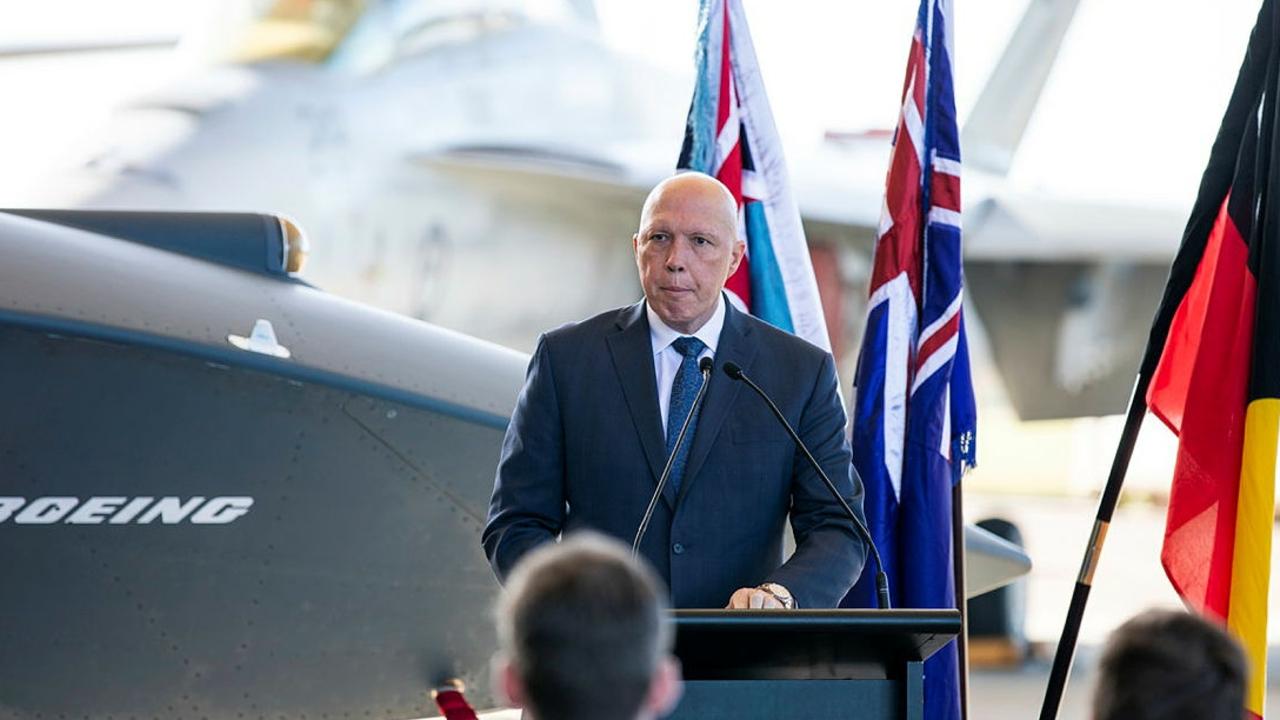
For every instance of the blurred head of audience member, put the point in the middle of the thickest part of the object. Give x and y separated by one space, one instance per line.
1167 664
584 635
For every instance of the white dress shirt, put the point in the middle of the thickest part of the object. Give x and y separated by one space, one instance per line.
666 359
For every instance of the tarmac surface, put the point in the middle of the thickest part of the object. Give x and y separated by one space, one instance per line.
1129 580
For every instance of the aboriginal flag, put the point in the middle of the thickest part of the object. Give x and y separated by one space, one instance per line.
1214 364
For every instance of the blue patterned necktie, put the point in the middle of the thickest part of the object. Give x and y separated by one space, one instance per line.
683 390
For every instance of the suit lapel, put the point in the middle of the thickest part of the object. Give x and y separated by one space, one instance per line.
734 346
632 352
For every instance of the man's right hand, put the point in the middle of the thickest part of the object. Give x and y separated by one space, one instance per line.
754 599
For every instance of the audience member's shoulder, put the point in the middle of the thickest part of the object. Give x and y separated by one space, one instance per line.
593 326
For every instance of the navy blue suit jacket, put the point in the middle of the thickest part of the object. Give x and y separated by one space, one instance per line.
585 448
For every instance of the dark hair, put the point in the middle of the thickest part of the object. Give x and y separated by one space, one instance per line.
1167 664
585 627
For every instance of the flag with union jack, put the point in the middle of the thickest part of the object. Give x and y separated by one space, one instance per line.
730 134
914 418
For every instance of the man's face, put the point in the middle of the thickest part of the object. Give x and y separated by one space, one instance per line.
686 249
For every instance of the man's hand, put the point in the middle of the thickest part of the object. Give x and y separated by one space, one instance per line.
759 598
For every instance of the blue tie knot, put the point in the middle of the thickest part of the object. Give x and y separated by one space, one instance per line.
690 347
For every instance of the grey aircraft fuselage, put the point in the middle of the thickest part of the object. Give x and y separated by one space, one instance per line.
194 530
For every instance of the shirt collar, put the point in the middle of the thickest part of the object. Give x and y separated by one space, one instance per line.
662 335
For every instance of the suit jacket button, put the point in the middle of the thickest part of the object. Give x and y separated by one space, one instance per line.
677 549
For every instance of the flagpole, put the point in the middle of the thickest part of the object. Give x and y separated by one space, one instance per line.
962 642
1066 651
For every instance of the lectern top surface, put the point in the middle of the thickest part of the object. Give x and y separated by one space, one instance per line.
809 643
897 620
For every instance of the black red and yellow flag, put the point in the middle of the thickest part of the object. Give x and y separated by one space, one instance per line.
1214 364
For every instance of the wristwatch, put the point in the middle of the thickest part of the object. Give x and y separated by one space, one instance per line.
780 593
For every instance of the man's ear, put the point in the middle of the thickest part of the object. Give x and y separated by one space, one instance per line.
665 689
507 685
735 257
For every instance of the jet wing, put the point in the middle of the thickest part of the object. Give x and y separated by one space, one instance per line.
991 561
999 226
553 170
1019 228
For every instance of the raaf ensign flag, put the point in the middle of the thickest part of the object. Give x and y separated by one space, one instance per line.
914 418
730 135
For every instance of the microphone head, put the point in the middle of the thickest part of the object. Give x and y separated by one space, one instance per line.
704 365
732 370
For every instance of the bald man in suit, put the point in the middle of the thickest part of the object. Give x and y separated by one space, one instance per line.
604 400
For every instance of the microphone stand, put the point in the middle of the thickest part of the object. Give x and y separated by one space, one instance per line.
882 581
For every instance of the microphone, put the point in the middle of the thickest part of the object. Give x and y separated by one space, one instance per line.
882 582
704 367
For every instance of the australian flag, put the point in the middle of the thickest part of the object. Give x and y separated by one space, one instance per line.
730 135
914 418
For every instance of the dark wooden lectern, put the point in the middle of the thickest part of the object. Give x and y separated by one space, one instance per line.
807 664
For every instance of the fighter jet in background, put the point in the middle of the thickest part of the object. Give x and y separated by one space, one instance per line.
479 164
